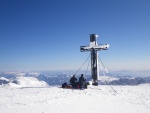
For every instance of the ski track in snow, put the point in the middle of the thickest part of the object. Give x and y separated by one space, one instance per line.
101 99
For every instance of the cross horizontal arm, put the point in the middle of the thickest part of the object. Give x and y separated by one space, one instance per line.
96 47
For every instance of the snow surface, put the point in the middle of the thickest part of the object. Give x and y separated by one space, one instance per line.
48 99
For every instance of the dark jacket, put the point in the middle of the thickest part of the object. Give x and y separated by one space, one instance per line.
73 80
81 80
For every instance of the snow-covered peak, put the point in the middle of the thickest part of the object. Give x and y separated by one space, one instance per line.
3 78
27 82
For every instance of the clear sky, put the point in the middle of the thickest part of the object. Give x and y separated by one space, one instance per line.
47 34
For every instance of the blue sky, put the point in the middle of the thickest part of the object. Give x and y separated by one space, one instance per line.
47 34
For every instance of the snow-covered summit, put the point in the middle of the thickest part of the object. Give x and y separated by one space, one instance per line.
3 80
95 99
26 82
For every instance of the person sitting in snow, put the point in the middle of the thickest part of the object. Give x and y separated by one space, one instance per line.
73 81
82 82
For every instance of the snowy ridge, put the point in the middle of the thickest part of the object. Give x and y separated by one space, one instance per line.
60 78
4 79
30 82
26 82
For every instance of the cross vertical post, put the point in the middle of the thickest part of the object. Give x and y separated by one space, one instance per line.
94 48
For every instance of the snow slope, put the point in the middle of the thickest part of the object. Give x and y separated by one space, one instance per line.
101 99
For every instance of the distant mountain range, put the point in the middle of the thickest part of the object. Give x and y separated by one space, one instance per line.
60 78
